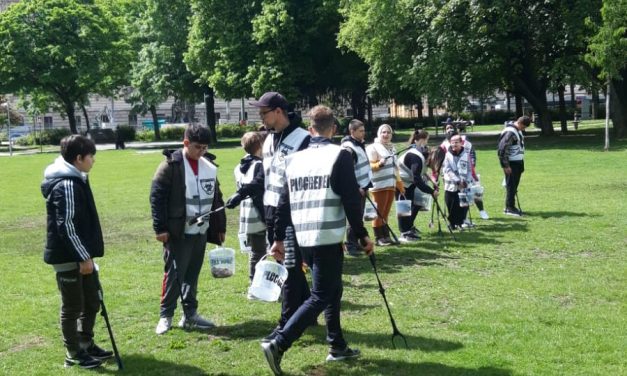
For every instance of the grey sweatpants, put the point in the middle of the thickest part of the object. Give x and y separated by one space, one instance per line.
189 254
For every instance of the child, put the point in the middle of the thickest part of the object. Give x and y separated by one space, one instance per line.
74 239
251 214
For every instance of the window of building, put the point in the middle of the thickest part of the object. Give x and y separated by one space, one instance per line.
47 122
78 121
132 120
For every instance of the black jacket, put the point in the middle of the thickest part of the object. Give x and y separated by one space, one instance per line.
74 232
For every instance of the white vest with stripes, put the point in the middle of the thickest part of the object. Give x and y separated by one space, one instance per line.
457 165
405 172
383 177
199 192
516 151
317 212
274 163
249 217
363 172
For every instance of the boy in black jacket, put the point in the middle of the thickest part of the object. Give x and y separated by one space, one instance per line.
74 239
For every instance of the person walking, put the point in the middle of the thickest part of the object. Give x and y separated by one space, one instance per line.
412 167
511 152
74 239
184 186
456 171
355 144
320 194
385 180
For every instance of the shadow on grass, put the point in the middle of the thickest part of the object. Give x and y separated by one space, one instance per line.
388 259
135 364
251 329
366 366
558 214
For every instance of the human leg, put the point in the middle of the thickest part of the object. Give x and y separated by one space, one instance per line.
258 250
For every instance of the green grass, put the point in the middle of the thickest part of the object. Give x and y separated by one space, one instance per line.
538 295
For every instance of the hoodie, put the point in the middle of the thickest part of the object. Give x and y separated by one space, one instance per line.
73 226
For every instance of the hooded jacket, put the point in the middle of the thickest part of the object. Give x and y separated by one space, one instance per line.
74 232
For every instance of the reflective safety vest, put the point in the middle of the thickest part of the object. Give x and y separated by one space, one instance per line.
274 163
250 221
363 172
317 212
516 151
405 172
199 192
383 177
456 168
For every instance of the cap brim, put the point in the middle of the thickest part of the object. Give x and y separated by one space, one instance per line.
256 104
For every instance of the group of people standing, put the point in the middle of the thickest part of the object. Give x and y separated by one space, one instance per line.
302 200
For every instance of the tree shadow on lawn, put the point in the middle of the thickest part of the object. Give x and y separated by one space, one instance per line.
365 366
250 329
135 364
399 255
558 214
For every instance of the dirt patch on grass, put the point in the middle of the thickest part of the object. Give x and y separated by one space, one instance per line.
25 344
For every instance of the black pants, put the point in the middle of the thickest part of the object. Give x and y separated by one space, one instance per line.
326 295
350 234
79 306
512 180
257 243
456 213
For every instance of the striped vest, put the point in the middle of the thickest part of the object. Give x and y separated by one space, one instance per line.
363 172
405 172
274 163
383 177
199 192
317 212
456 166
516 151
249 217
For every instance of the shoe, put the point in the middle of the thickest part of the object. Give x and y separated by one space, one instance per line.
352 249
164 324
195 322
271 336
415 231
81 359
467 225
513 211
347 353
382 242
409 236
273 355
484 214
99 353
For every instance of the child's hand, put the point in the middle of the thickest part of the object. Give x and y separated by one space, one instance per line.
233 201
86 267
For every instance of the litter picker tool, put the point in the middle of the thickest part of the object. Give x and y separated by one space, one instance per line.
383 219
448 225
395 332
105 315
202 217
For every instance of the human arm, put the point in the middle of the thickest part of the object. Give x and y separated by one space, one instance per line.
217 220
159 196
506 140
414 163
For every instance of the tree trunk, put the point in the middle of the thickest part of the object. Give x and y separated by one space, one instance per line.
419 109
618 104
573 102
369 109
210 114
70 112
87 124
508 101
534 90
595 103
430 114
155 122
358 104
562 108
519 105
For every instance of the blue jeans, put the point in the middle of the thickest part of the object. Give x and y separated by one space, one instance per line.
326 295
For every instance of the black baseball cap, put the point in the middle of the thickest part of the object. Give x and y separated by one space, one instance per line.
271 99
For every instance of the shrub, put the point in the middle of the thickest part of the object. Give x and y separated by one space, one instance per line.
233 130
48 137
172 133
145 135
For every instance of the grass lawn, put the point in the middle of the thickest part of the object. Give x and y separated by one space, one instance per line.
538 295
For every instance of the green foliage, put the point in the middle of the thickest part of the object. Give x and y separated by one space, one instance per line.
172 133
608 48
127 132
145 135
234 130
47 137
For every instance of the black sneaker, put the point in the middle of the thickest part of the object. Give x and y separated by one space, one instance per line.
271 336
81 359
513 211
273 356
347 353
99 353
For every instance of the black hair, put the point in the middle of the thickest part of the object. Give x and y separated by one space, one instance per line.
198 133
74 145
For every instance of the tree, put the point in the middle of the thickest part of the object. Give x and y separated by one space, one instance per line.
61 49
608 51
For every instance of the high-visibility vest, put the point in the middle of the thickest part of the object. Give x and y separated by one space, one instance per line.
250 221
516 151
383 177
199 192
317 212
405 172
274 163
363 172
459 166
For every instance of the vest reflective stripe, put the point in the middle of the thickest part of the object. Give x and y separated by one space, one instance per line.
363 172
199 192
405 172
249 217
383 177
460 165
317 212
274 163
516 151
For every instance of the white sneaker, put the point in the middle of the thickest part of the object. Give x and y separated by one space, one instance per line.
484 214
164 324
195 322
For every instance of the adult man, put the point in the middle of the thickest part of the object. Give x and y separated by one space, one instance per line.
184 186
320 194
285 137
511 151
355 143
